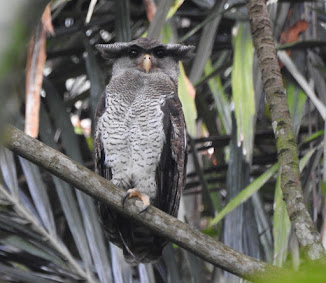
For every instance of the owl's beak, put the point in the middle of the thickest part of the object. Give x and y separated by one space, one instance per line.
147 62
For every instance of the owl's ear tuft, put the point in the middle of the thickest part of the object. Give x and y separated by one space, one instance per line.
181 52
112 51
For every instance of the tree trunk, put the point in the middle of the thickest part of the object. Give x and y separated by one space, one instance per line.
287 149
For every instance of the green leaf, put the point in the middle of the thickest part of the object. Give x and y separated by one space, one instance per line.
296 100
242 87
223 107
314 136
323 187
174 8
90 143
305 159
211 231
188 101
246 193
281 227
166 33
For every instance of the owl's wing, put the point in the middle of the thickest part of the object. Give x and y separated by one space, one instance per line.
171 171
100 168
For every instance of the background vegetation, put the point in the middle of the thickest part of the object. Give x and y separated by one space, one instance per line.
51 232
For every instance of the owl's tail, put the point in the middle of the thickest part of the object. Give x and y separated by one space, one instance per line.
139 244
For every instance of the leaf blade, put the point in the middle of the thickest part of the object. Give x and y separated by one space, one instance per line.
245 193
242 88
187 96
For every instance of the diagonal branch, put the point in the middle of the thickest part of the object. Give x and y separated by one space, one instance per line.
167 226
287 150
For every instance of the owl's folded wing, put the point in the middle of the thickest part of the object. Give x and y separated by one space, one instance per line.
171 170
100 167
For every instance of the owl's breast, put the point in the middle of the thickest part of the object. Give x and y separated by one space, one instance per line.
133 133
145 124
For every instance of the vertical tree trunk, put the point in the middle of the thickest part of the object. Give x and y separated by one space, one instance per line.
302 223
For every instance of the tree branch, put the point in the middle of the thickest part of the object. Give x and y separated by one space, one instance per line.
163 224
286 145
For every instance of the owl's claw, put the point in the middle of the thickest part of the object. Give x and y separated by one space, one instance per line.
124 199
136 193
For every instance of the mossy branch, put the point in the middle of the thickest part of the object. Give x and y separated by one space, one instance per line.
163 224
287 149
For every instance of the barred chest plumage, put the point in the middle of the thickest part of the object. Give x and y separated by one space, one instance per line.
132 130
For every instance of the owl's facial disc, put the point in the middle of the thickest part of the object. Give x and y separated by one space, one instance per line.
147 62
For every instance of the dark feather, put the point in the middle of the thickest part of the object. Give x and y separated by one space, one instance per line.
100 168
119 49
171 170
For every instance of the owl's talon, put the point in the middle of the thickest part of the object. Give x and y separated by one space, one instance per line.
146 201
144 209
124 198
136 193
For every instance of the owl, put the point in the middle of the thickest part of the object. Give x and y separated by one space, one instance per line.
140 138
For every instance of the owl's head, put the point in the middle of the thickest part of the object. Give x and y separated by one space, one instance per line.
146 55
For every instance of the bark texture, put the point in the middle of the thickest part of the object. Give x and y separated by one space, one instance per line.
287 150
165 225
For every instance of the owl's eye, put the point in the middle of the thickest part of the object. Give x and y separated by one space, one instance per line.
134 53
159 53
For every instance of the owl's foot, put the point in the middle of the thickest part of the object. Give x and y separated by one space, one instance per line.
136 193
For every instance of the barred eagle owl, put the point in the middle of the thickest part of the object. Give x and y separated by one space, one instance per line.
140 138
